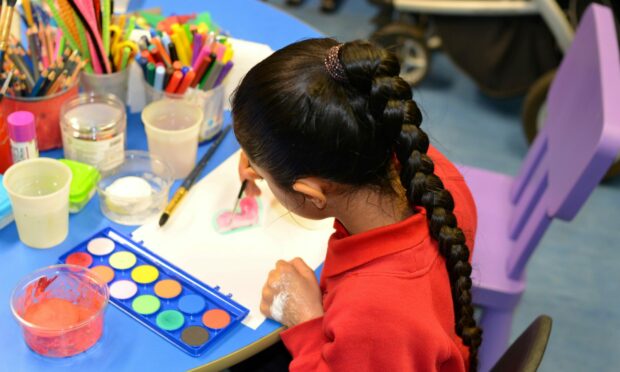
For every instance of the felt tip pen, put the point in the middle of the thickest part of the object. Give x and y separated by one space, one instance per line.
186 82
160 73
150 73
174 82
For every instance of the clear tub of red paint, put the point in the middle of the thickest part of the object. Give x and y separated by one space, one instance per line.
60 309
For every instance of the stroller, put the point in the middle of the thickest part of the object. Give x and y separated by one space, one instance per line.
508 48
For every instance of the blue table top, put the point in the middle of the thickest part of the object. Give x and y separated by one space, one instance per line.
126 344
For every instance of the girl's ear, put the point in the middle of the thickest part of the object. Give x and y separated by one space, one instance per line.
313 189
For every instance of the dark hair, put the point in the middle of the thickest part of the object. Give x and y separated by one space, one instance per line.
294 120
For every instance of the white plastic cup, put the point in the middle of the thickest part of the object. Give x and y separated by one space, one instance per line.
39 193
172 129
211 101
115 83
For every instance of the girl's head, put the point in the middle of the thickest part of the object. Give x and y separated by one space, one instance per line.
319 111
295 121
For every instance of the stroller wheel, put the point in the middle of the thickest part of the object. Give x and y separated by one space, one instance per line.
409 44
534 114
534 110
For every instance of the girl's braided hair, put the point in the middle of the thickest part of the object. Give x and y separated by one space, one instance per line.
341 112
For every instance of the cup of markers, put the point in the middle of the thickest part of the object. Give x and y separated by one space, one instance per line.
190 66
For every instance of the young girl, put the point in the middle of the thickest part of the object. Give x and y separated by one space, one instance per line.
334 132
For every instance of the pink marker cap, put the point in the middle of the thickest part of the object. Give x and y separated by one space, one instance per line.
21 126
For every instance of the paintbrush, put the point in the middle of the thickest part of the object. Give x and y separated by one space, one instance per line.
244 184
193 176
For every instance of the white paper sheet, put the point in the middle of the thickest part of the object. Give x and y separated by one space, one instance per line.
246 54
238 262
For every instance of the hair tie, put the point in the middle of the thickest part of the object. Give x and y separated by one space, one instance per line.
333 65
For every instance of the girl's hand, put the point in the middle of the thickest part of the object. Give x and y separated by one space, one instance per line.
247 173
292 295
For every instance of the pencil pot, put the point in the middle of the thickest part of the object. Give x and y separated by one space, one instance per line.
211 102
46 110
114 83
5 148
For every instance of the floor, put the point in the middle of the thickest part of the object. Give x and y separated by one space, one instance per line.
574 275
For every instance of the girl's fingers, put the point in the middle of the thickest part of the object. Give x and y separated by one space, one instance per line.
252 190
247 173
265 309
243 164
267 294
303 269
245 169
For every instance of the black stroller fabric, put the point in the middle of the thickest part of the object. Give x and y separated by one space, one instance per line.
504 55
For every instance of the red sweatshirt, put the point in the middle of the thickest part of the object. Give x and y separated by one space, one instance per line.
387 298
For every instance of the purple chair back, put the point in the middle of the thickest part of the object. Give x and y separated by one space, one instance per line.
579 141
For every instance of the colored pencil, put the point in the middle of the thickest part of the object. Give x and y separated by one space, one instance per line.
5 85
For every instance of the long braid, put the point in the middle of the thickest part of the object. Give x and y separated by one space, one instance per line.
374 71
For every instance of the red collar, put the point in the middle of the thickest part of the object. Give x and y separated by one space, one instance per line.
346 251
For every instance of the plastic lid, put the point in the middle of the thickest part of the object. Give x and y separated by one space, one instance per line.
85 178
21 126
5 202
92 115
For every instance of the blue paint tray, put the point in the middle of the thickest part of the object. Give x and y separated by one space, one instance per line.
170 302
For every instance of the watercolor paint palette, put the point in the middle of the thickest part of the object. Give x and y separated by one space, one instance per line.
189 314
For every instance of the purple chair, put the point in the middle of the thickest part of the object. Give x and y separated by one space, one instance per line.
578 143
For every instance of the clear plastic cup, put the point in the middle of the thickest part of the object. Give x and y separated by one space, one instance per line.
115 83
211 102
172 129
39 193
60 309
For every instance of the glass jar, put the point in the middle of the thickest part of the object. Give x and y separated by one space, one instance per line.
94 130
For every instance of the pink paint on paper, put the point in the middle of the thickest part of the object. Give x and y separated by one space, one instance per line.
246 216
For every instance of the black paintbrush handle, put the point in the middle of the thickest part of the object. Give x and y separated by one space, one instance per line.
244 184
189 181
